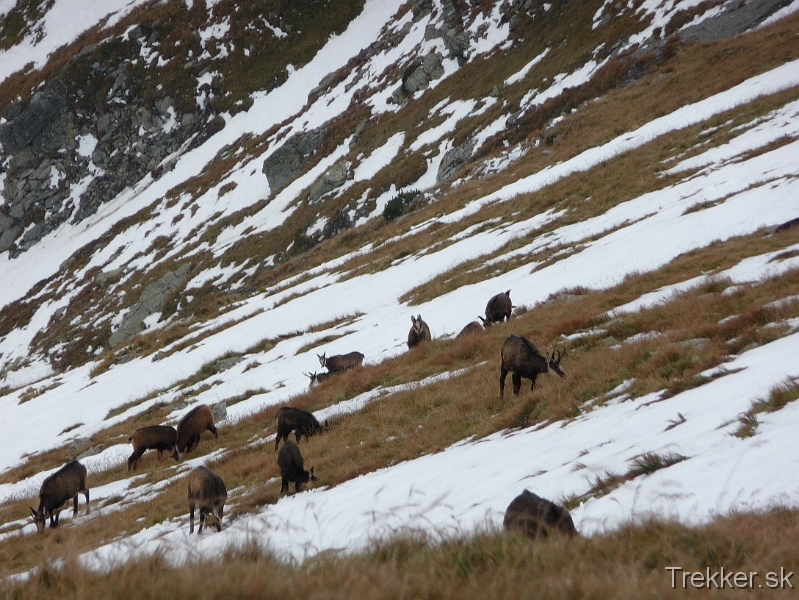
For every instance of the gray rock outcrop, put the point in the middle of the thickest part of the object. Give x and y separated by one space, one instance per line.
283 165
334 178
454 160
150 302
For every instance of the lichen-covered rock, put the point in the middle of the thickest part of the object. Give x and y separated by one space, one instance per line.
283 165
333 178
150 302
454 159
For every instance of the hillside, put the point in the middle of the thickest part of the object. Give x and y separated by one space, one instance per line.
200 197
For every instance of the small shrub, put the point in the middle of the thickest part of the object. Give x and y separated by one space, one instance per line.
401 204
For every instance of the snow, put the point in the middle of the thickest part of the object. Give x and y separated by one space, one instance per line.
460 488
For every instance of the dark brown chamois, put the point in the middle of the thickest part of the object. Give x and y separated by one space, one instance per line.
537 516
341 362
207 490
56 492
289 459
419 332
498 309
154 437
191 426
301 422
521 357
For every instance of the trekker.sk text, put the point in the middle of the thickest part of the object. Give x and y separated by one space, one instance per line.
722 578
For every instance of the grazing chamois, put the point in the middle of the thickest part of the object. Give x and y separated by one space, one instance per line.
341 362
207 490
419 332
289 459
498 309
521 357
317 378
301 422
154 437
191 426
56 492
471 328
537 516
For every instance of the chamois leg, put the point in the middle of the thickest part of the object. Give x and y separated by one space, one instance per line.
517 383
502 375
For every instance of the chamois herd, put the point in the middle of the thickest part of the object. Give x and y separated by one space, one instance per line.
528 513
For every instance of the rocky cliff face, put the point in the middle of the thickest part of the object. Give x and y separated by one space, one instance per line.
83 138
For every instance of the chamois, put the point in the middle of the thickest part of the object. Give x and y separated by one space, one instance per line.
207 489
155 437
537 516
317 378
56 492
471 328
521 357
341 362
303 423
419 332
498 309
289 459
191 426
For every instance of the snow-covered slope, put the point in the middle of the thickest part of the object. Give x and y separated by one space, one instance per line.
748 182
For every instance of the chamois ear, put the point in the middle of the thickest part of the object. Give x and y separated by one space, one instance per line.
33 512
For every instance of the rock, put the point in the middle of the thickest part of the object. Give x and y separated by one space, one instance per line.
40 116
283 165
78 443
219 411
454 160
433 67
91 451
416 81
150 302
333 178
224 364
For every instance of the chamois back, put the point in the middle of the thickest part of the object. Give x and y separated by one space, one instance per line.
154 437
191 426
537 517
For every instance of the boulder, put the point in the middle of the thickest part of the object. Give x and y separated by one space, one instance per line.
454 160
283 165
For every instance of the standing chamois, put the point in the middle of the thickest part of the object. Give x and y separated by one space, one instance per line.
498 309
154 437
301 422
419 332
521 357
207 490
289 459
341 362
56 492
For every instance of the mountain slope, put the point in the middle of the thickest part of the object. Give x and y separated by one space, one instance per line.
633 188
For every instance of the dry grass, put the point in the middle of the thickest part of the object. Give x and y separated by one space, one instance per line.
631 562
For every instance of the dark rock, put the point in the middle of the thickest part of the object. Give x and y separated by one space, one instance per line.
286 162
32 122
